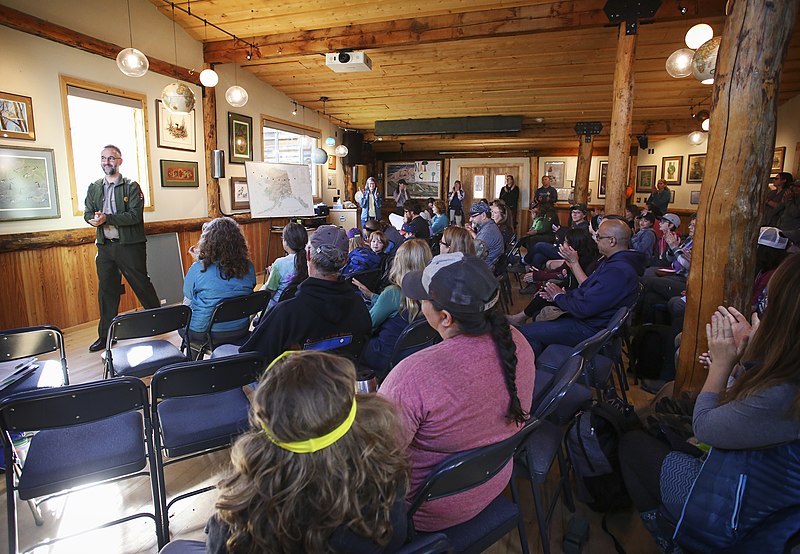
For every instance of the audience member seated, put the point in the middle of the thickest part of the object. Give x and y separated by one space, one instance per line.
439 221
366 258
644 240
543 251
418 225
589 308
755 417
391 311
579 259
546 193
770 252
320 470
543 221
324 306
789 219
457 239
223 270
774 203
291 270
472 389
632 211
483 228
667 223
500 217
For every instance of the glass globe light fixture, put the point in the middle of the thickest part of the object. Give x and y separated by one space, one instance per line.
209 78
178 98
697 138
704 61
330 141
236 96
340 151
319 156
679 63
705 125
697 35
132 62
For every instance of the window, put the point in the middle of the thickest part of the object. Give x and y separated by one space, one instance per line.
499 183
291 144
96 116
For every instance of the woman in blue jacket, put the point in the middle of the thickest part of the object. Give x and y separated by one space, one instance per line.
371 202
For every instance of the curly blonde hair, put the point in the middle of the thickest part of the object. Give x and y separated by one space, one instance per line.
280 501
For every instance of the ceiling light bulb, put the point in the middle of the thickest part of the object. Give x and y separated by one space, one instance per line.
132 62
340 151
697 138
679 64
209 78
319 156
236 96
294 111
705 124
330 141
697 35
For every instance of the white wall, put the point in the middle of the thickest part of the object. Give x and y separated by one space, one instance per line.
788 135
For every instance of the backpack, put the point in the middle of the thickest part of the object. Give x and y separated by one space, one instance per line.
592 445
652 351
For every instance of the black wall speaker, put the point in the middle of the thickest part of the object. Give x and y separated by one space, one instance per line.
354 141
642 141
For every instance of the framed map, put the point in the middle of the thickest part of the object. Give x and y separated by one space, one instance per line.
279 190
27 184
423 179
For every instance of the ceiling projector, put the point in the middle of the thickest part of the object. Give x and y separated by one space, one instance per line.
348 62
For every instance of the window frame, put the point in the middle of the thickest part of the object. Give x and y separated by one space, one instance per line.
296 128
66 81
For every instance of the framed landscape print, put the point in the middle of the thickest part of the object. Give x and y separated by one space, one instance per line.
777 159
602 179
645 178
422 179
175 131
697 168
555 170
240 138
176 173
16 117
27 184
672 169
240 194
695 197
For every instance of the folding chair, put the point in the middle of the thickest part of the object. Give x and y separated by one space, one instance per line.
346 345
142 359
89 433
415 337
232 309
467 470
28 342
198 408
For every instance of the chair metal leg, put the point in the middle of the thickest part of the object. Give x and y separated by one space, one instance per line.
11 510
523 536
541 517
563 469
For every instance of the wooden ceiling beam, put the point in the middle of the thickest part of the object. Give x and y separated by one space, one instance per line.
523 20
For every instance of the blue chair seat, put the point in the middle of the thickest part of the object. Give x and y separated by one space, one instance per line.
144 358
48 374
556 354
194 423
93 451
486 528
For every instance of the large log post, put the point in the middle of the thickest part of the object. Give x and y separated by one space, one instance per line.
634 163
621 117
210 143
585 144
743 113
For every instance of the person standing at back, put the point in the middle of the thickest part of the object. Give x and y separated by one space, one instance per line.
115 207
660 197
510 195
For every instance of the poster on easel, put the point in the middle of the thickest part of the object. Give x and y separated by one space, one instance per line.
279 190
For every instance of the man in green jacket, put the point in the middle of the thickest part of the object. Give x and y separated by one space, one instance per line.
115 206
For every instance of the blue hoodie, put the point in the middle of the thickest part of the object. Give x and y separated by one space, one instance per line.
615 283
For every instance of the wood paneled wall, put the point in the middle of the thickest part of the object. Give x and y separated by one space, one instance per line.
58 285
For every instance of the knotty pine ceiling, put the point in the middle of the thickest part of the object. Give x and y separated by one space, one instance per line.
447 58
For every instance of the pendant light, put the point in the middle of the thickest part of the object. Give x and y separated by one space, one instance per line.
697 138
698 35
236 95
679 64
177 97
208 77
704 62
131 61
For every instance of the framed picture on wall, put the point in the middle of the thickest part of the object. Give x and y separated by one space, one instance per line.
331 161
695 197
174 130
555 170
175 173
240 138
423 179
797 161
240 194
602 179
672 169
777 159
17 117
697 168
27 184
645 178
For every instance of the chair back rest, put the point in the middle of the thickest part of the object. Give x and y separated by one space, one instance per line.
206 376
331 343
370 278
616 322
149 323
469 469
31 341
415 337
590 347
566 376
70 405
240 307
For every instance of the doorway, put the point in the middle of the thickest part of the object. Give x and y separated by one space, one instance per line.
485 181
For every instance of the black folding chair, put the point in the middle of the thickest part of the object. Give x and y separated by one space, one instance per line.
143 358
89 433
27 342
198 408
415 337
232 309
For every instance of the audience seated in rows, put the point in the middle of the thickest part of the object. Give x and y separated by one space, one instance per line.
457 239
472 389
366 258
544 251
588 308
417 225
292 269
500 217
774 204
644 240
544 221
440 220
222 270
486 231
667 225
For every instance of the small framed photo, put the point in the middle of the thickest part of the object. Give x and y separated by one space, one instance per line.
175 173
240 138
777 159
697 168
27 184
16 117
331 183
602 179
175 131
695 197
645 178
240 194
672 169
331 161
555 170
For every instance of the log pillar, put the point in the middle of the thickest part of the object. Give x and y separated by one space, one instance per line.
525 215
585 144
621 117
744 109
633 165
210 143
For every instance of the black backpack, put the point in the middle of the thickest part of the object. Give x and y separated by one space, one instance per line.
592 445
652 351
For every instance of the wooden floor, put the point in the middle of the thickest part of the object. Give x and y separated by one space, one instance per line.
79 510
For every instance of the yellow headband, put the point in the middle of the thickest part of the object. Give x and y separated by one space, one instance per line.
318 443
